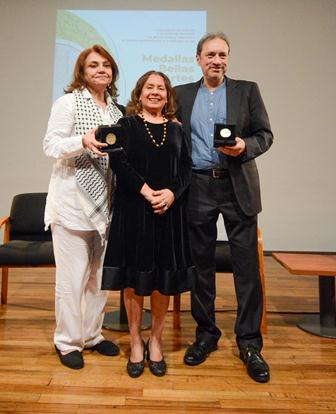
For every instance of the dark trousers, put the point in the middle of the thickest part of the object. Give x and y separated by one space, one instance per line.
209 197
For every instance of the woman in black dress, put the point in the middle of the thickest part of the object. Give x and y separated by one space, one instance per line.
148 250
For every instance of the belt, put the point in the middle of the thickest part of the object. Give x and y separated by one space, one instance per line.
213 172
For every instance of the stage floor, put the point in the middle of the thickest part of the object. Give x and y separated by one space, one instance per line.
303 366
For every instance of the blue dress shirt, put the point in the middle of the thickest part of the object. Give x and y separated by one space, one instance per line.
209 108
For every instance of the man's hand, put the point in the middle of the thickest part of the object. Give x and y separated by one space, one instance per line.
235 150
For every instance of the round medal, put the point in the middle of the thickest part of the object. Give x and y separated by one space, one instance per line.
225 132
111 138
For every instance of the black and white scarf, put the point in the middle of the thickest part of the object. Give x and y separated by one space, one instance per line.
94 177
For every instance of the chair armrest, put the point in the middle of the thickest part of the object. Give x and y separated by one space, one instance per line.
5 221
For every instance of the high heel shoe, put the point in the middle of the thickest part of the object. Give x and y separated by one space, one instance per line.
157 368
135 369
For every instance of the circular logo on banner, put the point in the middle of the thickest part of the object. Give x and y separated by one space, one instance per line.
225 132
111 139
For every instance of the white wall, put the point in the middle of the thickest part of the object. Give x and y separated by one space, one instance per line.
287 46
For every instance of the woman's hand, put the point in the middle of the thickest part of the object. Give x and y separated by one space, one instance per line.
147 192
89 141
162 200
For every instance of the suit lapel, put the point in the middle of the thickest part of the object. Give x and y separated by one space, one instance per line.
233 100
189 99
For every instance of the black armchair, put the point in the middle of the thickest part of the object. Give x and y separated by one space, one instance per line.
25 244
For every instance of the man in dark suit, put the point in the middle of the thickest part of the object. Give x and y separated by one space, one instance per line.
225 180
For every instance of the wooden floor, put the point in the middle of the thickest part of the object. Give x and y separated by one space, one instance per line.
303 366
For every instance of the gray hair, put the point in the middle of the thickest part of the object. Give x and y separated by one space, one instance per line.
211 36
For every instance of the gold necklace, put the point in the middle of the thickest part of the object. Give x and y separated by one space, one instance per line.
163 139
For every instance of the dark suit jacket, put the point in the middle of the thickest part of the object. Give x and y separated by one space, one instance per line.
245 109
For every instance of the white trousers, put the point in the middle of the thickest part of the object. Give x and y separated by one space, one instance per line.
79 300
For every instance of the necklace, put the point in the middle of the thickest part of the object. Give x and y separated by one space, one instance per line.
163 139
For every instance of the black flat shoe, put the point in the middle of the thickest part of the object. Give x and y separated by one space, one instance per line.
256 366
135 369
198 352
105 347
157 368
73 360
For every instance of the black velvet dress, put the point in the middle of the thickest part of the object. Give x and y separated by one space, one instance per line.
147 251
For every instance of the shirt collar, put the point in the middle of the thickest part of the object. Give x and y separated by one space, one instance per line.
221 86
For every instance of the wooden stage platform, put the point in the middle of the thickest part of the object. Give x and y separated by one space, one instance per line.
303 366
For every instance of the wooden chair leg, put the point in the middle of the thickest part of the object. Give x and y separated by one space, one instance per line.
177 312
262 278
4 285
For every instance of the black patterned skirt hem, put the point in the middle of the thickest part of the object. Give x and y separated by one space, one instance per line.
167 282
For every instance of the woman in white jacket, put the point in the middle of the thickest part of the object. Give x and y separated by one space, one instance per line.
78 204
